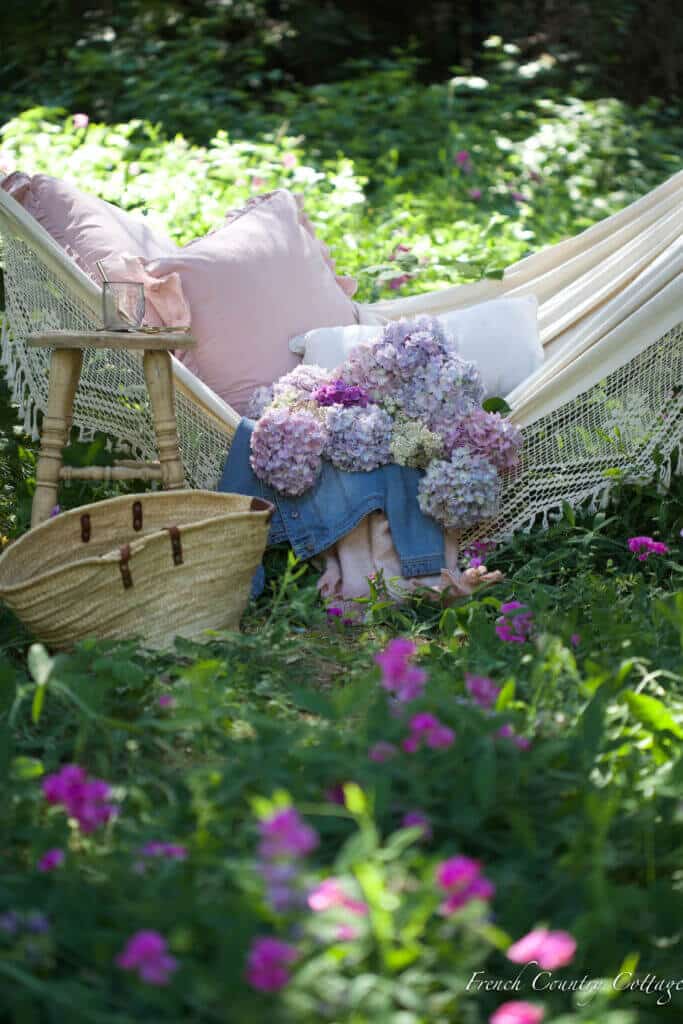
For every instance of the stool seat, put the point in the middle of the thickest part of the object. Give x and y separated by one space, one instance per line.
65 371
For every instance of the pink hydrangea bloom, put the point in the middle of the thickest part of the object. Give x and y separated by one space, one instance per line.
549 950
418 818
284 834
286 449
329 894
146 952
382 751
488 434
426 728
517 1013
482 690
399 676
643 547
83 798
51 859
516 623
268 963
80 120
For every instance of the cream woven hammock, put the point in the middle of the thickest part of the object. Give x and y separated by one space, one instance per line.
608 397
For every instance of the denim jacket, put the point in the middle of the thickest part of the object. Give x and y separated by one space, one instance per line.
336 504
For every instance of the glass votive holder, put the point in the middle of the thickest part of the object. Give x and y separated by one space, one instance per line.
123 305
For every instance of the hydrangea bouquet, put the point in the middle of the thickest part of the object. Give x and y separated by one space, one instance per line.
406 398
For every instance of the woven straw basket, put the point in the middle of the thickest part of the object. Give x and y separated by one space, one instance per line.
156 565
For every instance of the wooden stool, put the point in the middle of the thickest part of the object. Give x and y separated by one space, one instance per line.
65 371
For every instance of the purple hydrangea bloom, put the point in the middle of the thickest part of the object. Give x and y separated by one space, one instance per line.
300 383
487 434
358 439
259 400
339 393
403 347
286 449
461 492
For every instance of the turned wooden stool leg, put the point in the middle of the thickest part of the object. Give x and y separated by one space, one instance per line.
159 377
65 369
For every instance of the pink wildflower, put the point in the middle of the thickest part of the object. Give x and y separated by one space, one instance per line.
268 962
575 639
289 160
397 282
643 547
516 623
382 751
398 249
166 701
462 879
418 818
7 164
51 859
82 798
399 676
482 690
517 1013
475 194
170 851
518 197
426 728
549 950
346 933
80 120
257 182
463 160
330 894
284 834
146 953
335 612
507 732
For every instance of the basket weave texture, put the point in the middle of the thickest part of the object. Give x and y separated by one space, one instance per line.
155 565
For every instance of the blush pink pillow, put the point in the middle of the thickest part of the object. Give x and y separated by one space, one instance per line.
86 227
252 285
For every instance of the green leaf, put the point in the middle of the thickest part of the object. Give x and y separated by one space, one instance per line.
355 801
24 768
651 713
506 695
496 404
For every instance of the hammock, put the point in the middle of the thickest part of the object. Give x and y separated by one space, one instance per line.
608 398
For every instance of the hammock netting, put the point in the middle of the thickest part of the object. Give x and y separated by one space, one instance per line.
606 405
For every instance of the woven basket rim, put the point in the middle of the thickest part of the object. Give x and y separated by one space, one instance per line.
259 507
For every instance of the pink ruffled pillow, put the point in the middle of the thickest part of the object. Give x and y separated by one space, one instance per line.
251 285
86 227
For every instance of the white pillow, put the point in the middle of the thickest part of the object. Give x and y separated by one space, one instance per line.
500 336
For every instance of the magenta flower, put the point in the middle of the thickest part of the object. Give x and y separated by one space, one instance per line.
507 732
482 690
382 751
83 798
339 393
284 834
170 851
80 120
575 639
335 612
329 894
166 701
412 819
426 728
517 1013
475 194
51 859
399 676
146 952
462 880
516 623
549 950
335 793
398 249
268 962
463 160
643 547
397 282
346 933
